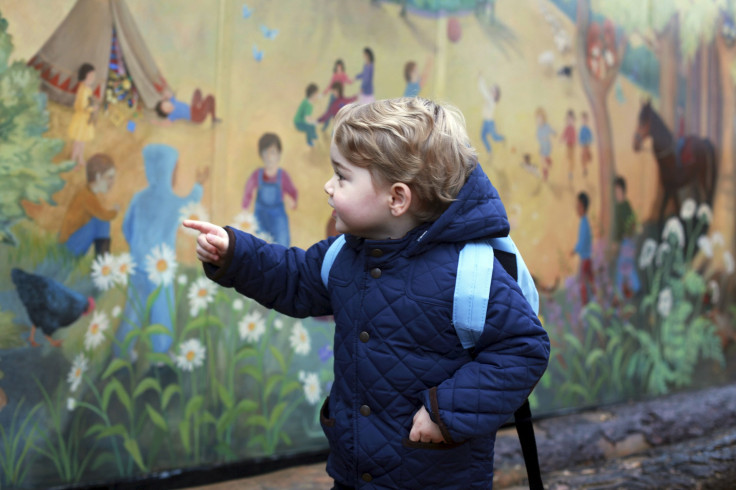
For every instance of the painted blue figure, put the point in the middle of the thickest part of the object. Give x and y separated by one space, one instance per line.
491 96
152 220
274 189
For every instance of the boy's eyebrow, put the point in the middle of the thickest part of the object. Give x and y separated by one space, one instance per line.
338 165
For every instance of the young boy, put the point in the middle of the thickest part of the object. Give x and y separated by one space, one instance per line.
274 187
584 247
409 407
624 229
86 221
585 139
303 119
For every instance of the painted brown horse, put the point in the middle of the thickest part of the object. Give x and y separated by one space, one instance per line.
692 162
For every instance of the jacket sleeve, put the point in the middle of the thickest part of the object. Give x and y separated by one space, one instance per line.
287 280
509 359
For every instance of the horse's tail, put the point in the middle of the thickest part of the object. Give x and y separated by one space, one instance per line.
712 163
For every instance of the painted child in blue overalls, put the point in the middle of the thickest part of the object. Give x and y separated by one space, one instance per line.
275 190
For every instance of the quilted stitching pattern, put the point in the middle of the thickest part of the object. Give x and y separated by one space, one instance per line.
412 346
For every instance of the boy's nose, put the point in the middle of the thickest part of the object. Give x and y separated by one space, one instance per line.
328 187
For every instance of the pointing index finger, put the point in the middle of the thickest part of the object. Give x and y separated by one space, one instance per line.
201 226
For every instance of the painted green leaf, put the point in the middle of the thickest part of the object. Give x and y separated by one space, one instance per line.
116 365
147 384
156 418
169 392
131 445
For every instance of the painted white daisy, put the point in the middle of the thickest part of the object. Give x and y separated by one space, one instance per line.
245 221
103 272
662 251
124 266
704 213
161 265
278 324
728 262
252 326
688 208
237 304
71 404
191 355
312 389
714 290
182 280
194 211
95 334
299 339
648 250
673 230
116 311
705 246
664 302
79 367
716 239
200 294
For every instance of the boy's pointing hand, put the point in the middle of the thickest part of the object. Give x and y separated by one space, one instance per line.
212 242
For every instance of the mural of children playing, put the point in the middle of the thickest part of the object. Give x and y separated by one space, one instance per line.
274 189
568 138
171 109
544 133
82 126
86 221
415 81
303 119
366 77
338 75
491 96
584 248
337 100
624 230
150 227
585 140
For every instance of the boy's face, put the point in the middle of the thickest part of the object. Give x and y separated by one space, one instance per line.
167 106
619 193
579 208
271 156
361 206
104 182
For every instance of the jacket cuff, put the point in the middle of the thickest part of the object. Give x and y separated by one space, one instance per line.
216 273
434 414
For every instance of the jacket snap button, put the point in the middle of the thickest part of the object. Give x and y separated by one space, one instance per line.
375 273
367 477
376 252
365 410
364 336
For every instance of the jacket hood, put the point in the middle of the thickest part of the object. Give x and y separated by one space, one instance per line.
476 214
160 161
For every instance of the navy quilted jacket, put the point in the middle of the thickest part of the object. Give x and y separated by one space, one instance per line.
395 346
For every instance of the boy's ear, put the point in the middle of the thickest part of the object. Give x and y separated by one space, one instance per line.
400 199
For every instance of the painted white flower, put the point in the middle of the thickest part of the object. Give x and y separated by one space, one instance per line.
265 236
79 367
252 326
312 389
299 339
728 262
704 213
161 265
191 355
705 246
200 294
664 302
116 311
664 249
687 211
673 228
71 404
193 211
237 304
648 249
103 272
716 239
714 290
245 221
95 334
124 266
278 324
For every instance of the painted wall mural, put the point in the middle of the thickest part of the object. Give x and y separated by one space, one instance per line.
608 128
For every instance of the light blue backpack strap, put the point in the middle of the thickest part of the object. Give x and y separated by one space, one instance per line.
524 277
472 289
330 257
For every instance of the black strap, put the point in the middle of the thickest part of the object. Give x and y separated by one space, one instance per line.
523 416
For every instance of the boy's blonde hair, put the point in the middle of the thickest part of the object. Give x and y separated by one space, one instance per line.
410 140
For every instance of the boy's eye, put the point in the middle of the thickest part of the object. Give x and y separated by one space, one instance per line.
339 176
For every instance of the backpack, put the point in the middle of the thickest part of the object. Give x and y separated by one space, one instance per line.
470 302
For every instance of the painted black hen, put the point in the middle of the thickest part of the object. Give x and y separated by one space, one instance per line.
50 305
